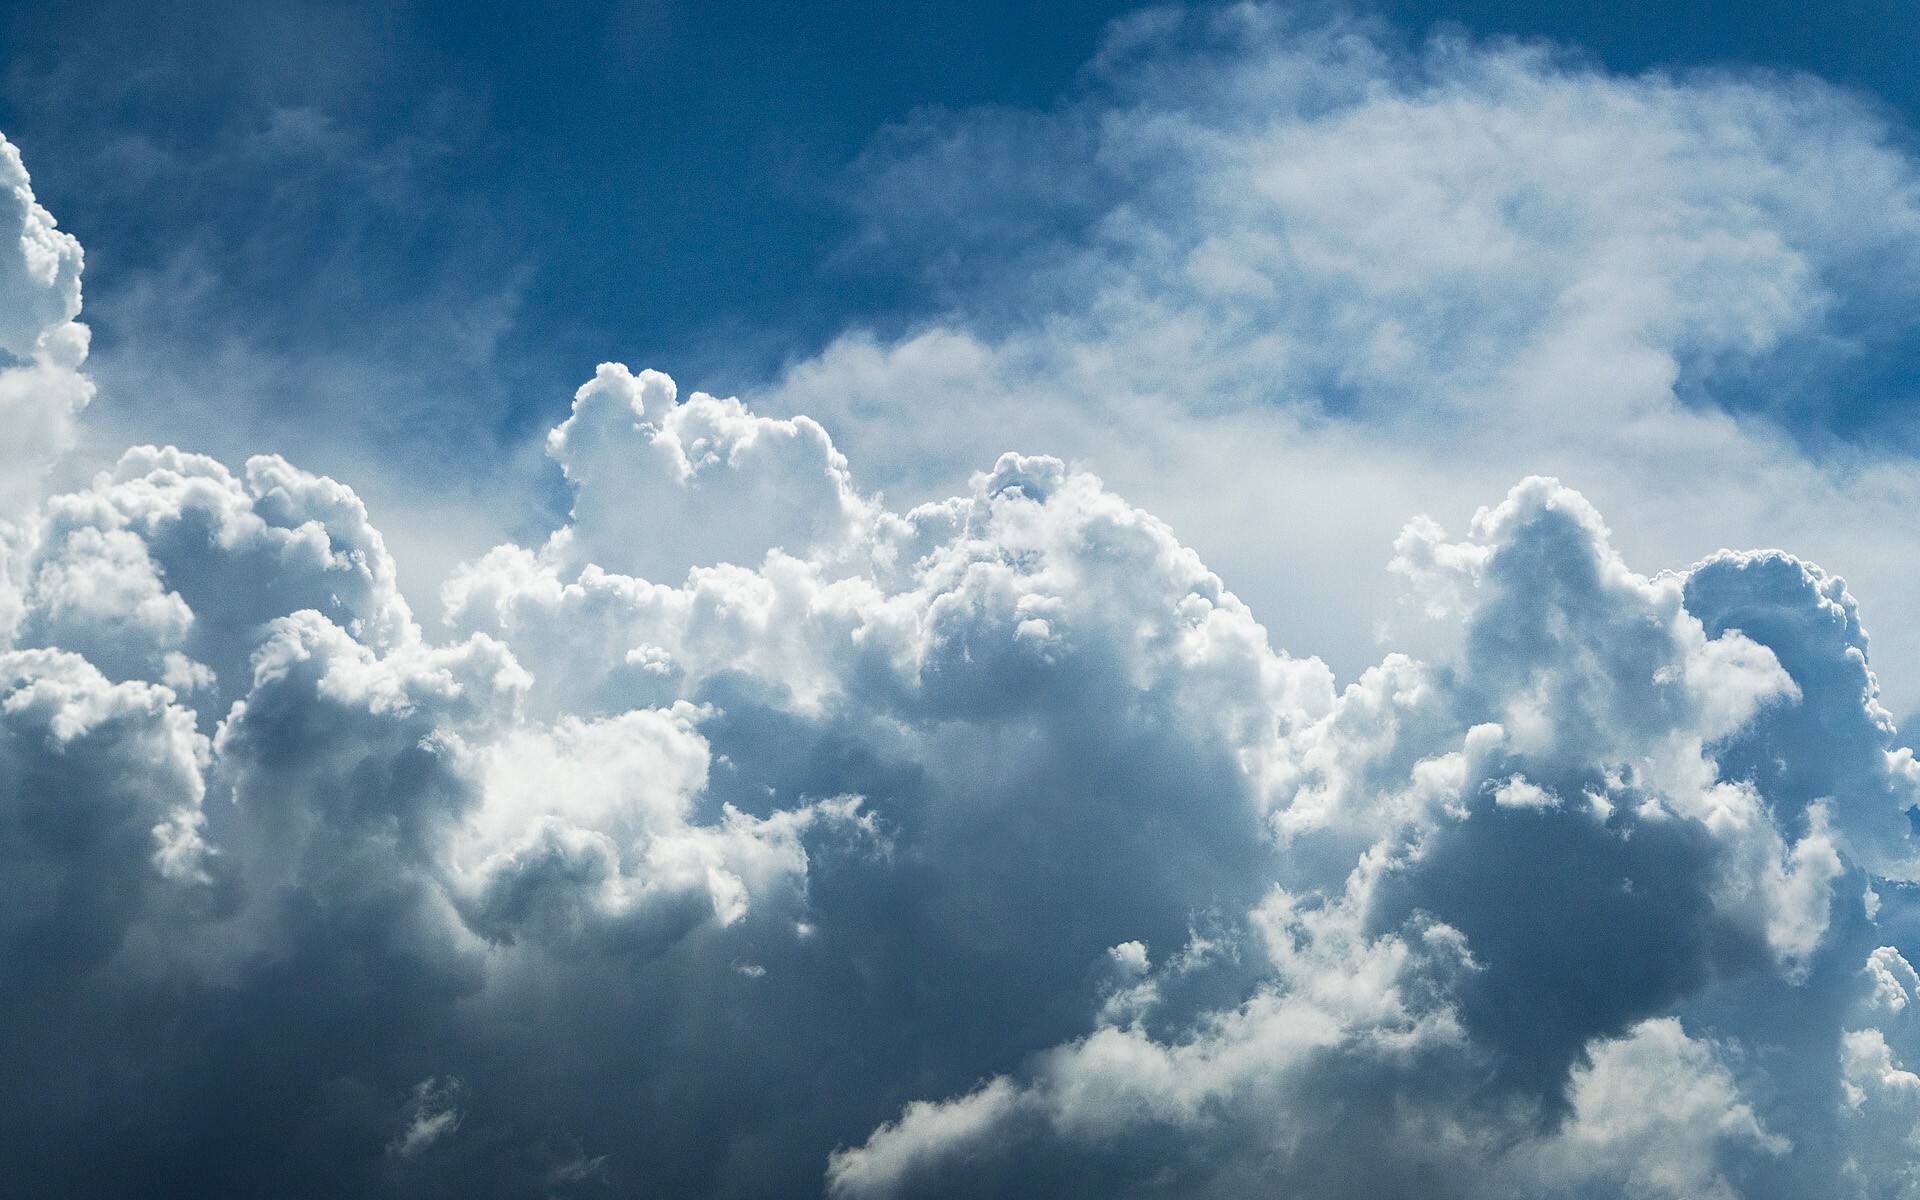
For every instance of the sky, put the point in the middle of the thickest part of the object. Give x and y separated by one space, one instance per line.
896 600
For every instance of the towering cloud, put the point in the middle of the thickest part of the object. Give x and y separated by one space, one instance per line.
751 836
41 345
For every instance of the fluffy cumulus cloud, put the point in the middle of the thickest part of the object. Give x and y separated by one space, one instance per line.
754 835
41 345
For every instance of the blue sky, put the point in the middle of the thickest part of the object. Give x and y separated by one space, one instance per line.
897 600
662 182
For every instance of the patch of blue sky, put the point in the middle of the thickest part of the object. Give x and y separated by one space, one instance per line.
662 181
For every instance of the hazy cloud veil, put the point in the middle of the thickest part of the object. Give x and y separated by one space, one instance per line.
751 836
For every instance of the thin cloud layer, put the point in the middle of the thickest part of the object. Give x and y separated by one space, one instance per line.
749 835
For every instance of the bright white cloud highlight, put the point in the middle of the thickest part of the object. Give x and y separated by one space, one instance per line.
41 345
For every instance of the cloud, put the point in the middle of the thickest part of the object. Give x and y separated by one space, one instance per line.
103 823
991 840
435 1115
41 345
1487 973
1398 280
724 486
1655 1116
753 834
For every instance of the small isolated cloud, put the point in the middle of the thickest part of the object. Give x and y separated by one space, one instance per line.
752 833
432 1114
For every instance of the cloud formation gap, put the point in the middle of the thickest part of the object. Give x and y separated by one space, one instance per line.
749 836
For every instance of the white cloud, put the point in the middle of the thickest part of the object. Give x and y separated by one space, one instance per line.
750 833
662 486
1396 283
1653 1116
1894 983
434 1116
1882 1112
1486 975
40 270
41 345
924 1135
1027 708
102 823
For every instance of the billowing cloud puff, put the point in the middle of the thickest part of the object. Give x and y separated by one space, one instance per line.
169 567
41 345
103 816
662 486
750 836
